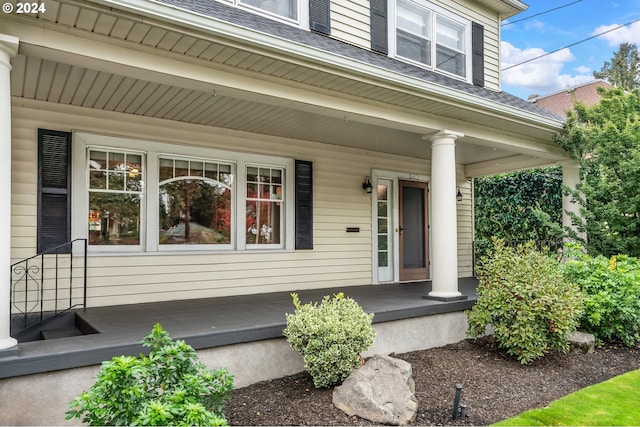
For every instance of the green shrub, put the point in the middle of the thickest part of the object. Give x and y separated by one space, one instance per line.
171 386
524 297
612 295
329 336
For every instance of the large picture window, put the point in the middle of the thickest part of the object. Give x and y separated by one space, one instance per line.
194 202
426 35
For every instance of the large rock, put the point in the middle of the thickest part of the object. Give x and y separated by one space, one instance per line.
582 342
382 391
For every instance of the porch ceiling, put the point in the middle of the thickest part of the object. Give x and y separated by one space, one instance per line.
43 72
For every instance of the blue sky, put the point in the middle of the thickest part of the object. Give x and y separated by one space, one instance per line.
554 30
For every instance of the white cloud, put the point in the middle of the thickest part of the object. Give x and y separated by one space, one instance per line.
539 76
630 33
583 70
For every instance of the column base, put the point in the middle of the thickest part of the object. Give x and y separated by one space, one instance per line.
7 345
445 296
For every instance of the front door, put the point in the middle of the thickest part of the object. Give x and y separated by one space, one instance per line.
414 230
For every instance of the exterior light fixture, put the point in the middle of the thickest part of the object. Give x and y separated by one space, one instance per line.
459 195
366 185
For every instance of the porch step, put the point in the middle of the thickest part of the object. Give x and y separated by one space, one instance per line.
51 334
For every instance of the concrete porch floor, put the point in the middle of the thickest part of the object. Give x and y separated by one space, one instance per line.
213 322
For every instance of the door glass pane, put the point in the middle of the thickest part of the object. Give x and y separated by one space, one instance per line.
413 222
384 213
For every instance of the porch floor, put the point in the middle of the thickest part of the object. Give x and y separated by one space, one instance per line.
213 322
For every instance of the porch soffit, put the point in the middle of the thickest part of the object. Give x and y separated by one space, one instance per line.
37 75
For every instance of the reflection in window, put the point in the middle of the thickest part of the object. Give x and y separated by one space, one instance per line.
450 46
285 8
115 189
194 202
264 206
417 26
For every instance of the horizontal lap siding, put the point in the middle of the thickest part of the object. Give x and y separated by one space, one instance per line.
465 232
338 258
350 21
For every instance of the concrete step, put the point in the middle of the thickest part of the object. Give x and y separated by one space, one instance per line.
50 334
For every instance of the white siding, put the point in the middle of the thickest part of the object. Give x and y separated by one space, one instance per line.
465 231
350 22
338 258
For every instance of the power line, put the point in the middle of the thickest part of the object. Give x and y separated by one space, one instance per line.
540 13
570 45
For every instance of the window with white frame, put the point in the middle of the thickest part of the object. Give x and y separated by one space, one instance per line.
264 205
431 37
201 199
284 8
115 194
194 203
292 11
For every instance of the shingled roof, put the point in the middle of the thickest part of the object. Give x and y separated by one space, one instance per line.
219 11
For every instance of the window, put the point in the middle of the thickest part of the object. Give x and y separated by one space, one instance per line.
194 202
294 12
115 196
264 205
430 37
162 197
284 8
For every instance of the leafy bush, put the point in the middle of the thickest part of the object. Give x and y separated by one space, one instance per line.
169 387
330 337
523 295
612 294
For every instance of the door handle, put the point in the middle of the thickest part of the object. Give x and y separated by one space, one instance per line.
401 229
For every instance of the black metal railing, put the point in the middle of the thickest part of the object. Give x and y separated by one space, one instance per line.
48 284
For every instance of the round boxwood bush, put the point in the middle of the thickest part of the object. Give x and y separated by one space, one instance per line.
524 297
330 337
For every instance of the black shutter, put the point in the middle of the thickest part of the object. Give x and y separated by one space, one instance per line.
477 58
54 189
304 204
379 35
320 16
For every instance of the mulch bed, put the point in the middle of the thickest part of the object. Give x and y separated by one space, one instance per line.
495 387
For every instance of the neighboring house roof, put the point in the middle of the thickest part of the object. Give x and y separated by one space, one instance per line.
563 100
219 11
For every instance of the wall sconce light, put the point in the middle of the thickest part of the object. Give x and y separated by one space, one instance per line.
366 185
459 195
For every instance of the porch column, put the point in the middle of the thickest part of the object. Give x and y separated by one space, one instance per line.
570 179
444 228
8 49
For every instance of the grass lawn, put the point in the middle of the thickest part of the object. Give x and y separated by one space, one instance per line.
610 403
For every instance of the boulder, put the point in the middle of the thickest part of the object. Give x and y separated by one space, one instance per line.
382 391
582 342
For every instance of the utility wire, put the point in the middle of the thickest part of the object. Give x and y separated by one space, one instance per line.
570 45
538 14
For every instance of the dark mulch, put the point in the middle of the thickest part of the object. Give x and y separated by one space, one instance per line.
494 386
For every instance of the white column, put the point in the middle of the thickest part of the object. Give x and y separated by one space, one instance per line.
444 221
8 49
570 179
